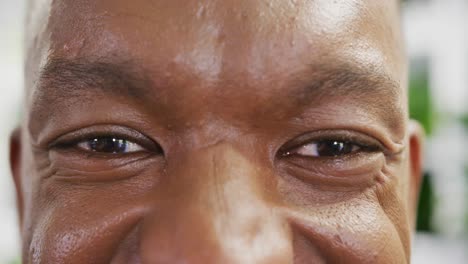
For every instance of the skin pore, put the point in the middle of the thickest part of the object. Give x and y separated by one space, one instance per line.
215 132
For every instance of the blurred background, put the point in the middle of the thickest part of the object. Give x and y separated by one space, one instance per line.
437 40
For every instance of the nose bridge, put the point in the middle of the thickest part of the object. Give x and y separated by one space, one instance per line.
216 178
214 212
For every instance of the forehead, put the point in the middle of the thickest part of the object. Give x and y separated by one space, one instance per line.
220 39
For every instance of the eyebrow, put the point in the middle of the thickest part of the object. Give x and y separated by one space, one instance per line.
343 80
376 89
127 77
67 76
70 77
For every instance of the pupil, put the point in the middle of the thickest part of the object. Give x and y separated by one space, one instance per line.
108 145
334 148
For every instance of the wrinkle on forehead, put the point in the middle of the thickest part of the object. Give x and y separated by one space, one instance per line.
254 45
248 42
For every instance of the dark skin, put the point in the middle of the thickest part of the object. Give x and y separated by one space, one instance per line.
216 132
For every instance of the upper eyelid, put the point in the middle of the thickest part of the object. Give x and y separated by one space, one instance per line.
96 128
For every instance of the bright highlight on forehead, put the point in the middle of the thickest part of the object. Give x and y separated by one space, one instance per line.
233 44
355 30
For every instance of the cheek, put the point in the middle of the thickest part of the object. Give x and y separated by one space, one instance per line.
392 196
355 231
84 224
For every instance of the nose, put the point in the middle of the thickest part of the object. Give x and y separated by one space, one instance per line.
213 208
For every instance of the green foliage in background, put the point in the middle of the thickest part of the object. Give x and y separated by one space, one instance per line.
420 108
466 181
464 120
420 100
426 205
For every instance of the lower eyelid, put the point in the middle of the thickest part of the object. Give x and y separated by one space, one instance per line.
350 164
83 171
354 173
88 160
326 182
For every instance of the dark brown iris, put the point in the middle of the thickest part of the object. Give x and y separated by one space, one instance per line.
334 148
108 145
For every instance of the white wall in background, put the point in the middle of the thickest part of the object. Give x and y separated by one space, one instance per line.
11 26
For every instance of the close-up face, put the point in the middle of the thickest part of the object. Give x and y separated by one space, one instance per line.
215 132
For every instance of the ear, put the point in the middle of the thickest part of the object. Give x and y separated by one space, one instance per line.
15 165
416 139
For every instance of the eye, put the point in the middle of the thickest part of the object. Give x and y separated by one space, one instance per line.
106 140
109 145
330 144
100 153
327 148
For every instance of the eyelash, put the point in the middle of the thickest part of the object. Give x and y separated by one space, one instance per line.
363 142
74 140
360 142
346 147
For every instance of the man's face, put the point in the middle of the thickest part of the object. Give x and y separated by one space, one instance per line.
215 132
